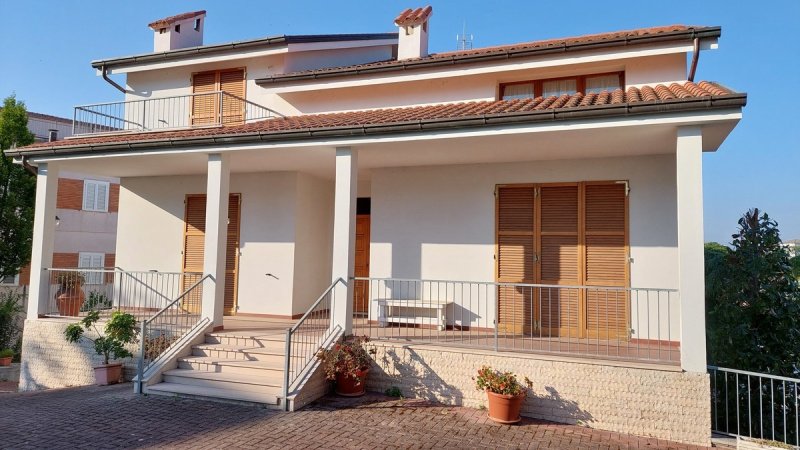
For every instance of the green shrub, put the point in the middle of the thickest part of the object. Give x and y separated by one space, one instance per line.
6 352
10 311
97 301
120 330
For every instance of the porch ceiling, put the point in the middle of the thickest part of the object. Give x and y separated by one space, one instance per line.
510 144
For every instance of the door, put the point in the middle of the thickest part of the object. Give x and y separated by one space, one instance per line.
193 250
569 234
361 287
206 107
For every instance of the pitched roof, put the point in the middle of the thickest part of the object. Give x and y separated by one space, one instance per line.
523 49
647 99
167 21
412 17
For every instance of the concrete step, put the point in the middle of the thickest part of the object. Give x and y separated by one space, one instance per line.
267 341
215 394
243 353
269 382
232 366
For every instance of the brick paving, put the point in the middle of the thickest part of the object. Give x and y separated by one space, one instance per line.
106 417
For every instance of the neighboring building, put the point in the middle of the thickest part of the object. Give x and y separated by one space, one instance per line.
536 207
86 210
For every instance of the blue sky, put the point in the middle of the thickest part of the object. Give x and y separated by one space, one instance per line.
46 46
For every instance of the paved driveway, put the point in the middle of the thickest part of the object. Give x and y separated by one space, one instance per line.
105 417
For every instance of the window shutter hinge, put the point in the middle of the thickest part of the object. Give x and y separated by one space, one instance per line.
537 191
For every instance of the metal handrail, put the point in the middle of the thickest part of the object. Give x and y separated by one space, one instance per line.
141 366
755 374
287 380
508 283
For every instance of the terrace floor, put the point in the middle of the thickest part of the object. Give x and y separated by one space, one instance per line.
115 417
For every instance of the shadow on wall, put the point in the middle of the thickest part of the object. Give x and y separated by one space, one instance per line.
426 383
552 406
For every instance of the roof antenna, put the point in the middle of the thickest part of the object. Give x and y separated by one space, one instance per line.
464 40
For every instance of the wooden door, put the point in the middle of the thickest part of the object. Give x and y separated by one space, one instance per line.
194 245
515 256
558 249
606 259
206 107
361 287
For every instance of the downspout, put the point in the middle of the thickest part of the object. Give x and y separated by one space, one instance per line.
112 82
33 170
695 57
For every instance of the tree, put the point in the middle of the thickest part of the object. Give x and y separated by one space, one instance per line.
17 190
796 266
716 256
752 321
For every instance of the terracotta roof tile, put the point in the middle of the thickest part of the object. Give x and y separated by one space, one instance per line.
167 21
413 16
311 122
599 38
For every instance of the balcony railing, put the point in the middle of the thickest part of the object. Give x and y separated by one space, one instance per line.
165 113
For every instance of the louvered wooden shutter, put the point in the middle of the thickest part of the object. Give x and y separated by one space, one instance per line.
515 255
205 106
606 259
193 250
232 254
559 259
232 82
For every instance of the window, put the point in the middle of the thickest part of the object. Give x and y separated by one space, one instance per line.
177 28
92 261
11 280
95 195
162 30
555 87
196 24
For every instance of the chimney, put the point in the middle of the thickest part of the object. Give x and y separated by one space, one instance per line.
413 33
52 135
180 31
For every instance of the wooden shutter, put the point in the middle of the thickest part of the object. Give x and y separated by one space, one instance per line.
361 287
515 255
606 259
232 82
205 106
232 254
194 230
559 240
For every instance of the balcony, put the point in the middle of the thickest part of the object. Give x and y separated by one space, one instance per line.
167 113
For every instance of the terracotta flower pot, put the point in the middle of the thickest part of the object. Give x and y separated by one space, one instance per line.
5 361
108 374
505 408
351 387
69 302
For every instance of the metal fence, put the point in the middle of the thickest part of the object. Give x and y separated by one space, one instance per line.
755 405
75 291
308 335
166 327
605 322
180 111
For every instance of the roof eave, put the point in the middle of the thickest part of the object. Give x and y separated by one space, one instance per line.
736 100
502 54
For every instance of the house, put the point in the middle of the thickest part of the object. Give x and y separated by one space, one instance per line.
534 206
86 210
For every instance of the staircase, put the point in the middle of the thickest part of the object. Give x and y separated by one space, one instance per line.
229 367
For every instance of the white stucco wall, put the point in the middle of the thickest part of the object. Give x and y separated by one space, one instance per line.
439 223
313 246
150 232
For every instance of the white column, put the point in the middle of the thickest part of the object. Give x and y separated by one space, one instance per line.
689 164
216 237
44 227
344 235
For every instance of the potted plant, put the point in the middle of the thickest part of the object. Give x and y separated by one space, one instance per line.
505 393
348 364
70 296
119 331
5 356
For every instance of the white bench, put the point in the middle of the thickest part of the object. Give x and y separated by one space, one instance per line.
410 311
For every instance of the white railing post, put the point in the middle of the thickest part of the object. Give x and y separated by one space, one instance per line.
44 227
691 278
216 236
344 236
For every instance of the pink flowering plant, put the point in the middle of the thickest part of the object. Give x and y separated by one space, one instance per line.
504 383
349 358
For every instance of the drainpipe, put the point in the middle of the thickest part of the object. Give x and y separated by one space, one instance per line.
695 57
114 83
32 170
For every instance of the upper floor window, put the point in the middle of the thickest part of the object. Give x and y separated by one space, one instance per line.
10 280
555 87
92 261
95 195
